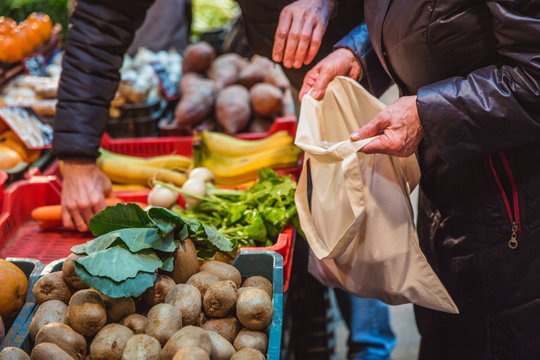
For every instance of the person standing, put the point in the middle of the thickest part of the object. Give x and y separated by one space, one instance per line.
469 75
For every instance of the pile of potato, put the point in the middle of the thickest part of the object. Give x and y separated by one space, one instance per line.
195 313
235 91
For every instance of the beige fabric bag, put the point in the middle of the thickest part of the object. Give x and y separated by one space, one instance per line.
360 223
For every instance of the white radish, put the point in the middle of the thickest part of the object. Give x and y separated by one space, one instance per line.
202 173
162 196
196 187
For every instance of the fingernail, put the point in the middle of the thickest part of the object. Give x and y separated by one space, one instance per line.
315 94
297 64
287 64
355 136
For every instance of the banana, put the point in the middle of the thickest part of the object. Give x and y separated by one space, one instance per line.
163 161
232 171
232 146
124 172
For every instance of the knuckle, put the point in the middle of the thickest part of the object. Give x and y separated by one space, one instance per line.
294 36
305 37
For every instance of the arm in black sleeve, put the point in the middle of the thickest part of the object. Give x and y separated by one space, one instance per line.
495 107
99 35
374 78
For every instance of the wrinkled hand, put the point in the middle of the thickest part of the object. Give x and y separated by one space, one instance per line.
340 62
83 193
300 30
399 128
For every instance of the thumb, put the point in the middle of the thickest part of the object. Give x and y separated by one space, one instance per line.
372 128
309 81
321 84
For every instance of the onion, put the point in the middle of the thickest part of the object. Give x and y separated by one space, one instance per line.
161 196
202 173
195 187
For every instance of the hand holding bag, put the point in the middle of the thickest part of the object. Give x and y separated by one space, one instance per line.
359 223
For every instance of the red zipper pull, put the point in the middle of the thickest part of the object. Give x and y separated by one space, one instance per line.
514 218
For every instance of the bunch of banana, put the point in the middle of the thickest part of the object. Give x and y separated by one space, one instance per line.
124 169
235 161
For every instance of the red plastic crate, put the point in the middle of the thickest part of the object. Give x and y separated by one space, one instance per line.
21 237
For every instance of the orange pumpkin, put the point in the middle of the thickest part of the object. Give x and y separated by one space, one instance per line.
13 286
44 24
31 30
10 50
7 25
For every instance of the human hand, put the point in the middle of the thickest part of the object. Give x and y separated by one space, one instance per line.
300 30
83 193
399 128
340 62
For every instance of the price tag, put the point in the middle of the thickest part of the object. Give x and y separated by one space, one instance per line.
35 66
167 86
33 130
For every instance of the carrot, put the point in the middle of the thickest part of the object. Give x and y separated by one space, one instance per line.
53 213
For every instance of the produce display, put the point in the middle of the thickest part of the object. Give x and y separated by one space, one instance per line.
20 40
188 310
251 217
235 92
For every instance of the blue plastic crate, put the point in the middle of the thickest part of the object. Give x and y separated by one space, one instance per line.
264 263
17 333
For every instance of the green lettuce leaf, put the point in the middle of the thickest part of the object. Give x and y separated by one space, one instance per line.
118 263
130 287
120 216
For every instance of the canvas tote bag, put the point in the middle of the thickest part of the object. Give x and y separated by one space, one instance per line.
358 220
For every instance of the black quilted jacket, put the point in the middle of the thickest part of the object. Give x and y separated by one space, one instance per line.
475 67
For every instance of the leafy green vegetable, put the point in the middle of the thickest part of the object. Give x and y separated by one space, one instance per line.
133 244
129 287
118 263
251 217
117 217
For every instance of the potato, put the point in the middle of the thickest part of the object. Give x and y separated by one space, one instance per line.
191 353
136 322
226 327
62 335
197 57
259 282
110 342
221 348
13 353
220 298
51 287
233 108
266 99
187 299
156 294
251 339
275 76
142 347
118 308
185 262
197 100
163 321
48 312
254 309
68 272
49 351
187 336
255 72
226 69
248 354
223 271
86 312
202 281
